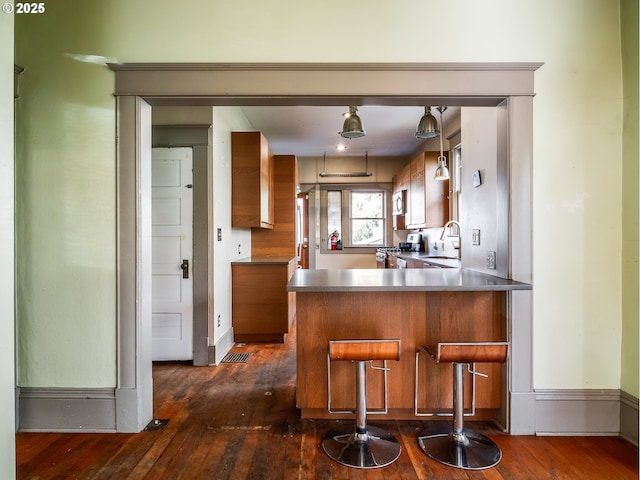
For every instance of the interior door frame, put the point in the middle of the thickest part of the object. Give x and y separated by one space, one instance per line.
140 85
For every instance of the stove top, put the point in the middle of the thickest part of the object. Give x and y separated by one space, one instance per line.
388 250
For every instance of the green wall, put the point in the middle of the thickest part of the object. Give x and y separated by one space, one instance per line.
66 155
630 208
65 207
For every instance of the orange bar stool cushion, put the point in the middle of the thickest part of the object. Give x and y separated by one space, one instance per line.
469 352
364 350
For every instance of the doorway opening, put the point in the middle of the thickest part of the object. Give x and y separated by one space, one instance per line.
292 84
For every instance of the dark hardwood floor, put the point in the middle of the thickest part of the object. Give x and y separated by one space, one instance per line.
239 421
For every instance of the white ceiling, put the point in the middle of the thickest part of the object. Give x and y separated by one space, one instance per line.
312 131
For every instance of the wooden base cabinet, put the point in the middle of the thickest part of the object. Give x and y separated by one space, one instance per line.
262 309
416 318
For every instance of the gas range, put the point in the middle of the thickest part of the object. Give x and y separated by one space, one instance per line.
382 252
388 250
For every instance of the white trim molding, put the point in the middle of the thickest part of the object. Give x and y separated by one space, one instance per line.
67 409
629 420
141 86
218 351
583 412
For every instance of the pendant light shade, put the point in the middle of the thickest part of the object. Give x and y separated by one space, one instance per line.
428 125
352 127
442 172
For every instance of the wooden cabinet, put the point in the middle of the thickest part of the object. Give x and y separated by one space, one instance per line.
281 239
427 204
392 261
414 263
262 309
416 318
417 212
252 202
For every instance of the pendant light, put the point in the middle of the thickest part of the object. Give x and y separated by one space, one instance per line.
442 172
428 125
352 127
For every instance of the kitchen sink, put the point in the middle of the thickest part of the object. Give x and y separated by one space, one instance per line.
436 265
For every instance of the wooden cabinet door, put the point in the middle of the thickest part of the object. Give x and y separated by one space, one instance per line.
266 183
251 181
417 210
392 261
281 239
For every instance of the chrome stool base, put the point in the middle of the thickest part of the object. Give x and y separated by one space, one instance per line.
373 449
468 449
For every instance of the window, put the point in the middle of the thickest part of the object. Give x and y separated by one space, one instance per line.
354 217
367 218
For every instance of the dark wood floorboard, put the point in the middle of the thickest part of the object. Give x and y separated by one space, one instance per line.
239 421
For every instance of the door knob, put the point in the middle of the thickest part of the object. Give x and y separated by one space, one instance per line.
185 268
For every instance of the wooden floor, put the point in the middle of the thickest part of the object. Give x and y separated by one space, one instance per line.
239 421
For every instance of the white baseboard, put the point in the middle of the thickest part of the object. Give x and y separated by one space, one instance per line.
557 412
66 409
579 412
221 347
629 417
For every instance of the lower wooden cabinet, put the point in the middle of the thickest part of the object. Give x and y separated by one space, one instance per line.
262 309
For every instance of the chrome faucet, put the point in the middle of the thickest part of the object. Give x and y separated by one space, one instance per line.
449 224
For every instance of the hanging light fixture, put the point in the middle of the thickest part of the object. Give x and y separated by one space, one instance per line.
428 125
442 172
352 127
365 173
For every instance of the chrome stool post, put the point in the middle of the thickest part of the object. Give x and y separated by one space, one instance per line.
363 446
454 445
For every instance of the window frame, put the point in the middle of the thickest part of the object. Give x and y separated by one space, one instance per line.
346 218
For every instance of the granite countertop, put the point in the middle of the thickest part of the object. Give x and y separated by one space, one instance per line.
264 260
399 280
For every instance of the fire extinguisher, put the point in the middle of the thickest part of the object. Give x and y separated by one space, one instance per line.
333 239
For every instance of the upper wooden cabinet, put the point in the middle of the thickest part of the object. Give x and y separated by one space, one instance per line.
252 198
427 204
417 212
281 240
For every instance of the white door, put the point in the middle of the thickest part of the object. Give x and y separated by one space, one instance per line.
172 251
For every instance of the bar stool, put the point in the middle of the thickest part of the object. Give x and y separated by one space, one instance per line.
363 446
457 446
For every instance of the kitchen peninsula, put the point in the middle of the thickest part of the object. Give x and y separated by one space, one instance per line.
417 306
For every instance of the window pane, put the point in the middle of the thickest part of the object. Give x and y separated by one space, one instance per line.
334 212
367 232
367 205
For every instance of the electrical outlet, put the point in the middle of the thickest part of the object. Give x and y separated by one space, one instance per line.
475 236
491 260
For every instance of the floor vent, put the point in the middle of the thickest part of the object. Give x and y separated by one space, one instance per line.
156 424
236 358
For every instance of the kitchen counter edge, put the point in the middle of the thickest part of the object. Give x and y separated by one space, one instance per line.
402 280
264 260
